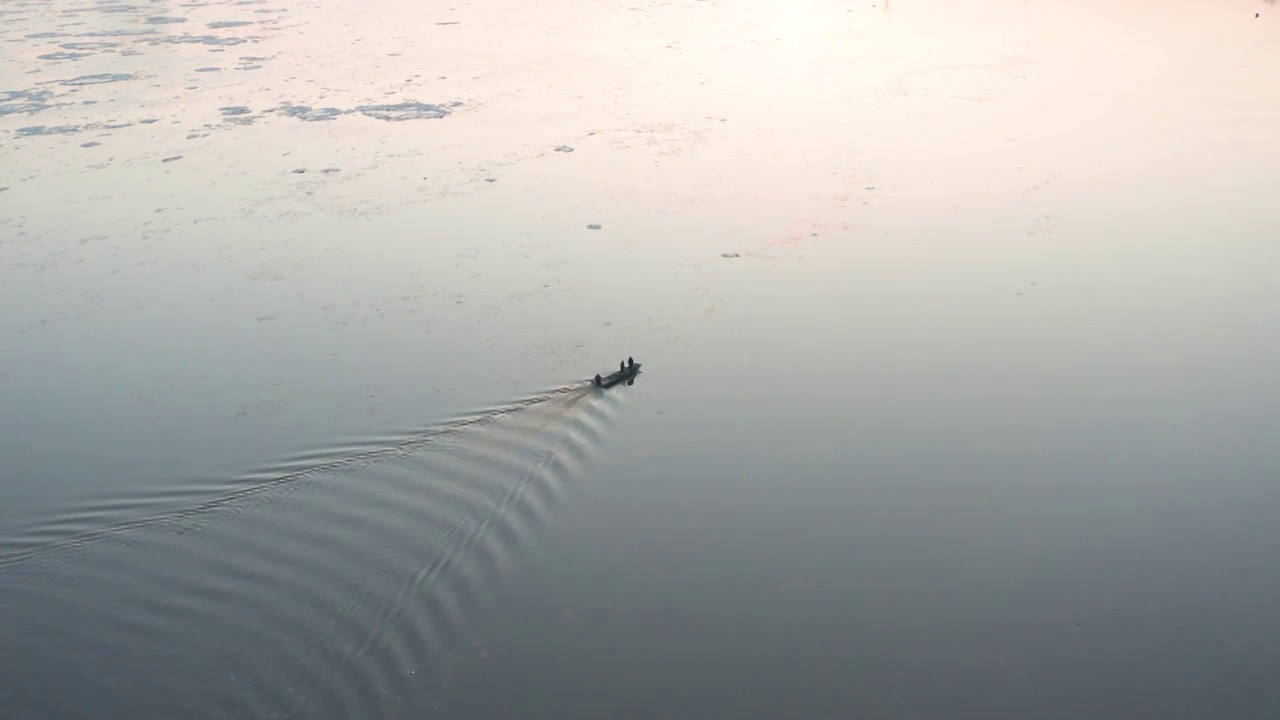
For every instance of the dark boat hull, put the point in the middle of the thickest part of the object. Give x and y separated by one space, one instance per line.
620 376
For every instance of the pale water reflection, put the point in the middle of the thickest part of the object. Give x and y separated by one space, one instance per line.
956 320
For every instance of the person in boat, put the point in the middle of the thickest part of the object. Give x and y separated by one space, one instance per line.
597 380
630 363
622 367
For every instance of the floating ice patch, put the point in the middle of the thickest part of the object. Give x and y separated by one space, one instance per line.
94 45
404 111
22 108
198 40
45 130
228 24
35 102
117 33
309 114
98 79
32 95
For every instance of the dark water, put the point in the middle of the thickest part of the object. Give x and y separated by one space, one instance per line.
957 322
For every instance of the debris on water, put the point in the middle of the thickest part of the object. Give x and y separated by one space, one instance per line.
328 170
209 69
90 144
564 149
2 189
491 180
299 171
871 187
593 226
729 255
171 159
149 121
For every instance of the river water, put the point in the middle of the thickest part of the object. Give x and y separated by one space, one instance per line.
957 322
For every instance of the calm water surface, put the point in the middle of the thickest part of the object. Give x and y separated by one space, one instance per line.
957 322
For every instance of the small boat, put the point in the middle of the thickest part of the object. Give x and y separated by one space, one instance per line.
617 376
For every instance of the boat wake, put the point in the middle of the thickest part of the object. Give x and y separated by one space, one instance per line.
337 583
68 530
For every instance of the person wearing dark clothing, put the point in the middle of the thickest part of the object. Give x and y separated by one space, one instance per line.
631 363
622 367
597 381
